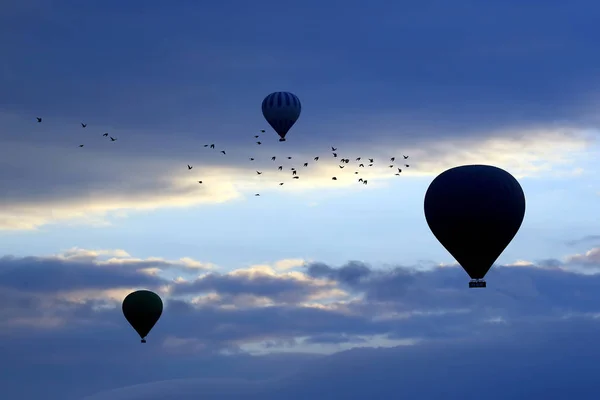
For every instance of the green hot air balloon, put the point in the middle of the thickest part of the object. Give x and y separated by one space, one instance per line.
142 309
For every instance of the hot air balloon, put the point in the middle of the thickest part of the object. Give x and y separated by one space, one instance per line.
475 211
281 110
142 309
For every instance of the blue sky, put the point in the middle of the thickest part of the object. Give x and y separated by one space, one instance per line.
513 84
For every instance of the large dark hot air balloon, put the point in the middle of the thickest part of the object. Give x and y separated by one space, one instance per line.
281 110
142 309
475 211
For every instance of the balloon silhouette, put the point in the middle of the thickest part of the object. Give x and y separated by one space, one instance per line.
281 110
475 211
142 309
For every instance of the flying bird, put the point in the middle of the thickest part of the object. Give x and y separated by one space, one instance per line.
334 179
358 159
258 172
212 146
341 166
296 177
205 145
281 184
259 143
405 157
83 125
406 165
80 145
256 137
223 151
39 119
335 154
306 164
370 160
112 139
251 159
316 158
393 159
199 181
280 167
361 165
289 158
105 135
257 194
189 166
273 158
333 148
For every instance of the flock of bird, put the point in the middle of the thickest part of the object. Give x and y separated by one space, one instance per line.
360 162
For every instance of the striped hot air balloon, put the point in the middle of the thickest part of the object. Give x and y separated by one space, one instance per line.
281 110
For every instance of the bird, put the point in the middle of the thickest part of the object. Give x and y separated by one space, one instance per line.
105 134
39 119
365 182
391 166
393 159
296 177
356 172
370 165
333 148
361 165
212 146
258 172
316 158
280 167
334 179
294 172
281 184
341 166
358 159
273 158
256 136
306 164
292 169
360 179
259 143
399 170
199 181
289 158
397 174
83 125
370 160
189 166
205 145
335 154
223 151
112 139
257 194
262 131
405 157
251 159
406 165
80 145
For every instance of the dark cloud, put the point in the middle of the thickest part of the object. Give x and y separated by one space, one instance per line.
542 353
431 306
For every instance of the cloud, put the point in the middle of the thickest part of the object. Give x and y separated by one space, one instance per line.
542 352
132 175
71 301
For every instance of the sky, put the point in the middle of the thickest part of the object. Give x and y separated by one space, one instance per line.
317 287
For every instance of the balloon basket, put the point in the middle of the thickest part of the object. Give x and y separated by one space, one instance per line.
143 340
282 140
477 283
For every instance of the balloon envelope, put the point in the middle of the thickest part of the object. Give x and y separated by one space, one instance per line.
142 309
281 110
475 211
